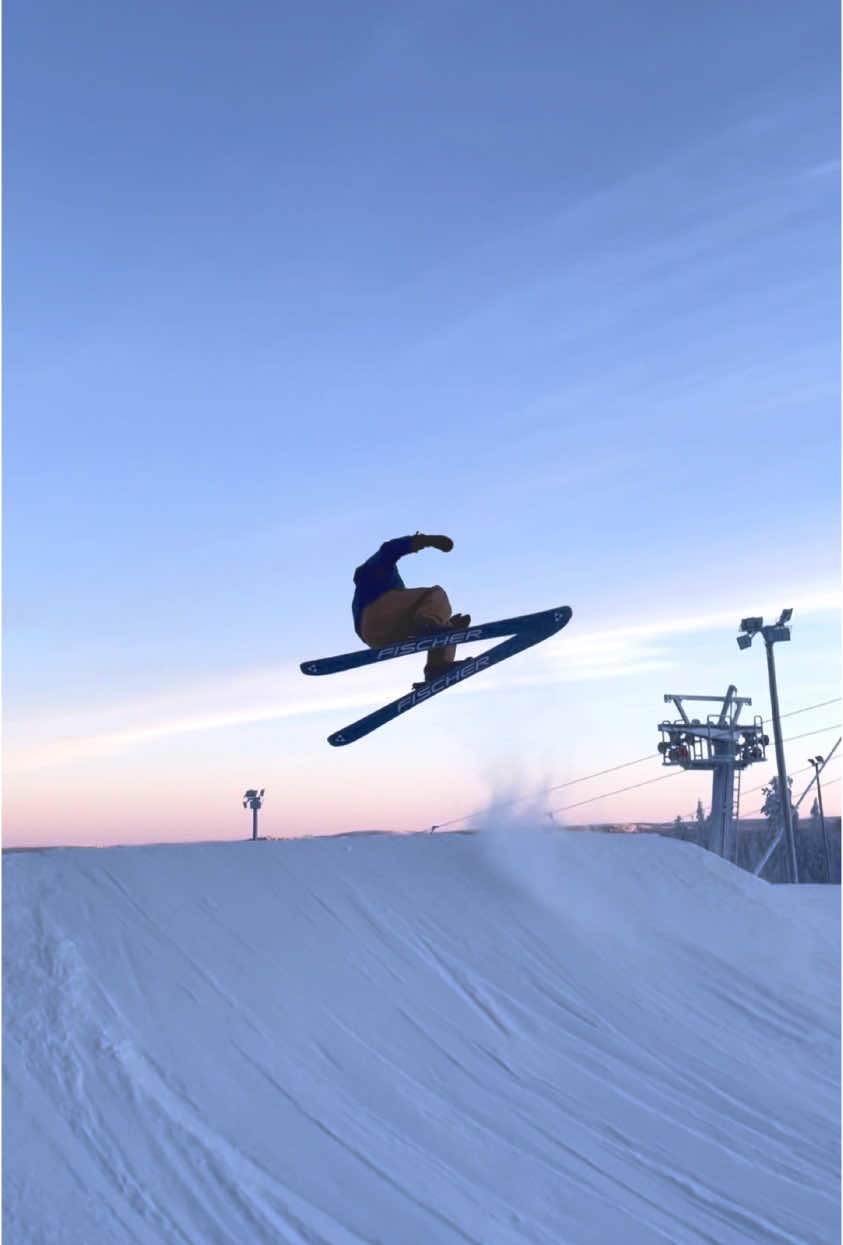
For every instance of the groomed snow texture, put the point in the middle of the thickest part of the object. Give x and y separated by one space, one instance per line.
558 1037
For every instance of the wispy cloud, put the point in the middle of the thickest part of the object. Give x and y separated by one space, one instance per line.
824 169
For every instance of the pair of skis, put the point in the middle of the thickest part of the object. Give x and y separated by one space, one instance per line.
525 631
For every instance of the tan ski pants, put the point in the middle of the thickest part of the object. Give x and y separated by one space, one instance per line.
399 613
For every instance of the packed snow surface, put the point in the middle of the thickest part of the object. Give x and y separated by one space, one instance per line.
493 1038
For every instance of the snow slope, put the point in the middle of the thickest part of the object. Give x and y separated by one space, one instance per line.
503 1037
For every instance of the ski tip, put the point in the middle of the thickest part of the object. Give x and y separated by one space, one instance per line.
308 667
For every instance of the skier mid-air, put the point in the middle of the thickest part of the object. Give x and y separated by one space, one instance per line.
396 621
386 612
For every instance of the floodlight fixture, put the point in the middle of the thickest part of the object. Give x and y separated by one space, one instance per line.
773 634
751 625
252 799
744 641
786 616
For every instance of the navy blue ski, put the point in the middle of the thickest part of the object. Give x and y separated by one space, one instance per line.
420 644
525 631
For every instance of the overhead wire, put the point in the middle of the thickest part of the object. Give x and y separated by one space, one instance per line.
835 726
564 807
519 799
793 773
827 782
622 790
625 765
793 712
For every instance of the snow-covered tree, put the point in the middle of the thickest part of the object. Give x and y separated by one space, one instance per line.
772 806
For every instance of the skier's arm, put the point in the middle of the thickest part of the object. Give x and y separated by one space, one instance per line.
420 541
391 550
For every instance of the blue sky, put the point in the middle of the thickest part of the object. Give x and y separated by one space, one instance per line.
282 282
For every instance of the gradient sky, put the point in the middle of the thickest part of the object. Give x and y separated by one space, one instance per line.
285 281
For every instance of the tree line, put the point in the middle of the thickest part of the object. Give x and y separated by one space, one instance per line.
817 845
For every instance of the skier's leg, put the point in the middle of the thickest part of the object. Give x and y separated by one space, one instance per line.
402 612
433 613
390 618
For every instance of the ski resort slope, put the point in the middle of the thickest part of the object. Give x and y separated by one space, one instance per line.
554 1037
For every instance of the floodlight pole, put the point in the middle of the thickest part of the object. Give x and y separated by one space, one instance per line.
778 631
818 763
823 762
784 791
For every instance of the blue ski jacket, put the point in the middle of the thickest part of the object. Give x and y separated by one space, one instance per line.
377 575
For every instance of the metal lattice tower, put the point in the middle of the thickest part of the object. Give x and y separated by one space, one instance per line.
720 745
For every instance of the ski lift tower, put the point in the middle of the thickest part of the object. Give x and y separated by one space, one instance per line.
719 744
252 799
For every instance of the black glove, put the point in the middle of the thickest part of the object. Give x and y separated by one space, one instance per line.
420 541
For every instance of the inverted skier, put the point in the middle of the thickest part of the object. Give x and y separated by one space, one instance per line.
386 612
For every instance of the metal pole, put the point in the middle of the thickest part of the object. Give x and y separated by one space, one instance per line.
759 868
784 792
822 767
822 823
254 821
818 766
